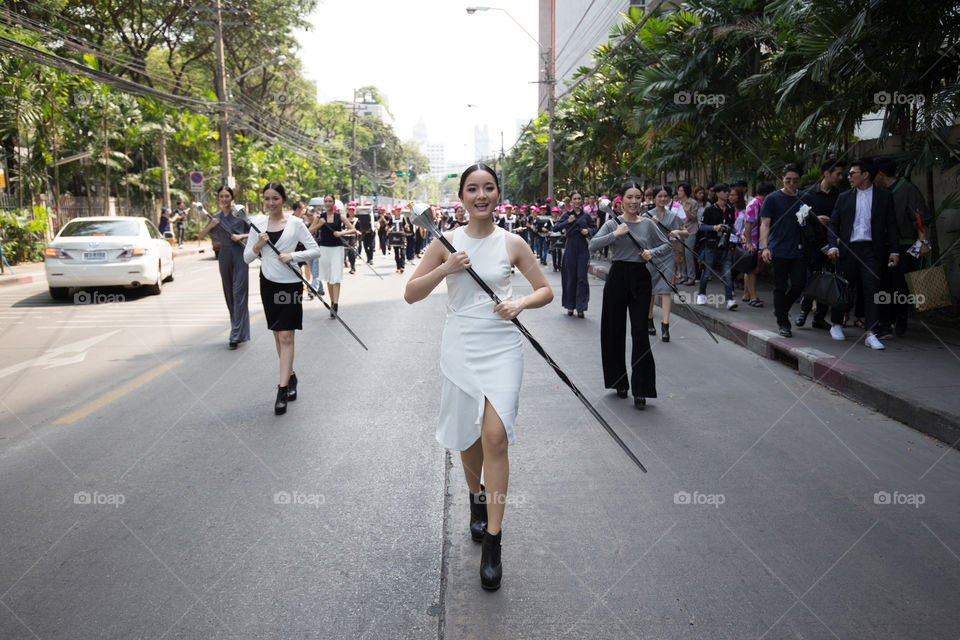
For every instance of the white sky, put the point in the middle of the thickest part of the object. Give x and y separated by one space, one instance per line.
430 59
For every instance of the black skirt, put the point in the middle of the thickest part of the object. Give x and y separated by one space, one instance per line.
282 304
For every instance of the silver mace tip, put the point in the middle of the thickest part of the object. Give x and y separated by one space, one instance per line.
420 216
604 205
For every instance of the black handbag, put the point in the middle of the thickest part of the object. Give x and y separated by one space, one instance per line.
831 289
744 261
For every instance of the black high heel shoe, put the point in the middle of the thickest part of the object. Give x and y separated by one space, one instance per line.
478 515
292 387
664 332
491 569
280 407
651 328
640 403
621 393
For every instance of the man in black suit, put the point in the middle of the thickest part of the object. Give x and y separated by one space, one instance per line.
863 234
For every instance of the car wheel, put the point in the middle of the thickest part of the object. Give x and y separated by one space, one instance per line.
59 293
169 278
156 289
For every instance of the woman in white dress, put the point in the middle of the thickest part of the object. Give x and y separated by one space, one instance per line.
481 353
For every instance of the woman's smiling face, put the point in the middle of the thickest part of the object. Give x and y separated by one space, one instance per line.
480 194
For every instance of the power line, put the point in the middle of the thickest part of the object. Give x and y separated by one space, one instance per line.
574 32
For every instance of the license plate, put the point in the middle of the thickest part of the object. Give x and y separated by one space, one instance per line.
94 256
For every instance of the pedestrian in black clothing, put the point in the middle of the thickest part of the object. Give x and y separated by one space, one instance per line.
781 243
821 197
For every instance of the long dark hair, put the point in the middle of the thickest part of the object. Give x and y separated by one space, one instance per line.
629 184
228 190
473 168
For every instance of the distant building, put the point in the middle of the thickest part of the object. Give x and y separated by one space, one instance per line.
420 132
436 155
573 29
481 141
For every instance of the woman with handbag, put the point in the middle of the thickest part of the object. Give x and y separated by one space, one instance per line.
628 289
751 240
481 352
280 285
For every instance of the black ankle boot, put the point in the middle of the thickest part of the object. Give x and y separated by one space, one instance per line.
292 387
664 332
651 328
280 407
478 515
333 310
491 570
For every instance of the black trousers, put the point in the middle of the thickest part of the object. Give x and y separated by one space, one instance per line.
368 239
793 270
858 264
399 253
894 280
627 290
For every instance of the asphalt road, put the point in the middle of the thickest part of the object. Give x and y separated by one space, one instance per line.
150 492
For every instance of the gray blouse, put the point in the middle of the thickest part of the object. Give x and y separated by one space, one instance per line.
623 249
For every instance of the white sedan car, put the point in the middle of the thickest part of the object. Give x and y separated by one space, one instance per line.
108 251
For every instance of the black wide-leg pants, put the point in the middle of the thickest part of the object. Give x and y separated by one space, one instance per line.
627 290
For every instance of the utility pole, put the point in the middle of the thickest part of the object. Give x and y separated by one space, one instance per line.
226 166
551 103
353 151
56 165
164 175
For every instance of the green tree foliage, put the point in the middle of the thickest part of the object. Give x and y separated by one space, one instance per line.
720 89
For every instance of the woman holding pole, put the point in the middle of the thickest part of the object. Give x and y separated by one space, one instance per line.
281 289
481 352
629 288
231 232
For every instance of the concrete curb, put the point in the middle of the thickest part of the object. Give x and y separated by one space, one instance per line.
851 380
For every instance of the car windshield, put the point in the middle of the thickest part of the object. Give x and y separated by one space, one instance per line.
82 228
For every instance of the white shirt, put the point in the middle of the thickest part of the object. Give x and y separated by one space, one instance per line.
271 267
861 222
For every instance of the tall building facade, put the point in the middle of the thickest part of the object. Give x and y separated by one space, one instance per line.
572 29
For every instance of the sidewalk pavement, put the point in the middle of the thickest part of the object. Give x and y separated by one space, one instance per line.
915 380
34 271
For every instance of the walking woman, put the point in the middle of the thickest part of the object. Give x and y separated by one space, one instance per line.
231 232
629 288
281 290
332 228
577 226
481 353
668 226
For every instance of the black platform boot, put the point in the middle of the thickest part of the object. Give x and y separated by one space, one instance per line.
333 310
491 570
651 328
292 387
478 515
280 407
664 332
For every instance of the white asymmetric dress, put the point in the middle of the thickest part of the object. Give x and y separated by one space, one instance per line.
481 354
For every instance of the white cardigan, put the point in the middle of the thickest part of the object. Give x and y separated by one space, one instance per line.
271 267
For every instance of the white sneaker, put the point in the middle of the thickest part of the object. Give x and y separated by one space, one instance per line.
836 332
701 299
731 305
874 343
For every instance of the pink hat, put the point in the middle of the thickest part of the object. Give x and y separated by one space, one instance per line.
555 209
397 207
366 204
617 199
351 205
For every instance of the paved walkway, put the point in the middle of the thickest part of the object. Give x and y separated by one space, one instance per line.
915 380
34 271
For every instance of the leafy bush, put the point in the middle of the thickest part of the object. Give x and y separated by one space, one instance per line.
24 234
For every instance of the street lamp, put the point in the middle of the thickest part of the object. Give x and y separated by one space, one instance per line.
547 54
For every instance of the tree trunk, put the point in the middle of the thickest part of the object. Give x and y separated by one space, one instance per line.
164 177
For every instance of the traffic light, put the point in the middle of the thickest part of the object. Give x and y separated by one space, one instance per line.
398 174
409 173
451 175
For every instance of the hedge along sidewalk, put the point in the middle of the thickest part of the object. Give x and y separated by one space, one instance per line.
915 380
27 272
